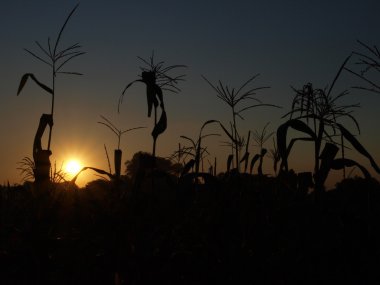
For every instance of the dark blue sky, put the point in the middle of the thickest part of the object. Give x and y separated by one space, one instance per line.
287 42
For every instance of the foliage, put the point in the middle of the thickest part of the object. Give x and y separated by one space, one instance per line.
56 59
155 77
260 138
234 98
196 150
115 130
315 113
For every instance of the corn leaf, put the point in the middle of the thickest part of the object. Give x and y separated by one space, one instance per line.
188 166
228 133
100 171
282 134
341 163
160 127
358 146
25 78
253 161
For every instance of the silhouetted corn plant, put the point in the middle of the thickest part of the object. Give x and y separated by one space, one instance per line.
196 150
240 143
260 139
369 60
315 113
274 154
234 98
56 59
155 77
118 152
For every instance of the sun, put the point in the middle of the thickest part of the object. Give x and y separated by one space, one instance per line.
72 167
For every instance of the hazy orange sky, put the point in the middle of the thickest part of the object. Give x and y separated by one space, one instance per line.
289 43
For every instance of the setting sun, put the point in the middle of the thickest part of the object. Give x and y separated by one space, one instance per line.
72 167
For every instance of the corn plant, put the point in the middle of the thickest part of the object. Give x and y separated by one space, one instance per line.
260 138
56 58
234 98
315 113
155 77
240 143
274 154
196 150
118 133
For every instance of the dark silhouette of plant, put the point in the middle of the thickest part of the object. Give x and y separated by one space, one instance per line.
315 112
274 154
240 143
369 60
118 133
155 77
56 59
260 138
28 169
234 98
196 150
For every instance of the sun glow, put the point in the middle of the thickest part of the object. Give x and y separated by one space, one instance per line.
72 167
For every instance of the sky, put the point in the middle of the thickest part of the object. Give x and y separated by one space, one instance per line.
289 43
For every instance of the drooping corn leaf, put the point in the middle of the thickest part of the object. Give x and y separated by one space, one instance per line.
358 146
282 134
253 161
341 163
206 123
228 133
100 171
161 125
25 78
188 166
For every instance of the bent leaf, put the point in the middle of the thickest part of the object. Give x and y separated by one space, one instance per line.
100 171
341 163
253 161
228 133
282 133
25 78
358 146
189 165
160 127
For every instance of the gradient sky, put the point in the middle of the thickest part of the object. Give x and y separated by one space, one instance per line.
289 43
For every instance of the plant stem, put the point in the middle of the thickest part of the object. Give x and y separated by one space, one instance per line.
52 105
236 140
154 139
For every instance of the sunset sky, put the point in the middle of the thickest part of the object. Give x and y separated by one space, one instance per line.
290 43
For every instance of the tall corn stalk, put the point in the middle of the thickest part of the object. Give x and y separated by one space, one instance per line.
118 151
155 77
56 59
234 98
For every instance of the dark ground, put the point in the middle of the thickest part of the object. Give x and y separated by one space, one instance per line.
236 230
